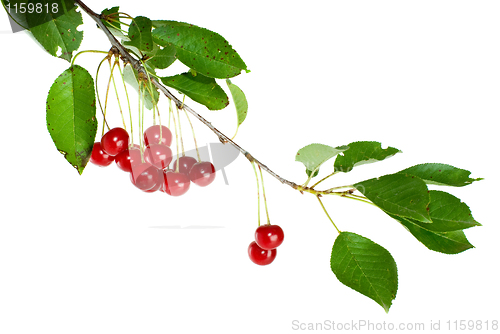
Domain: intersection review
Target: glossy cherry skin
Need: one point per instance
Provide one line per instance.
(158, 155)
(152, 135)
(202, 173)
(114, 141)
(261, 256)
(185, 164)
(146, 176)
(175, 184)
(269, 236)
(127, 158)
(99, 157)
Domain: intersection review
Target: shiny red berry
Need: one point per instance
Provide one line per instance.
(127, 158)
(146, 176)
(185, 164)
(175, 184)
(152, 135)
(114, 141)
(99, 157)
(261, 256)
(158, 155)
(269, 236)
(202, 173)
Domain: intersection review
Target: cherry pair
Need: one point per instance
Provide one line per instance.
(268, 237)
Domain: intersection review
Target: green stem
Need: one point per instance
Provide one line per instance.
(258, 194)
(115, 27)
(116, 91)
(194, 137)
(309, 179)
(359, 198)
(98, 98)
(85, 51)
(323, 179)
(180, 132)
(176, 139)
(340, 187)
(318, 197)
(128, 103)
(107, 93)
(264, 195)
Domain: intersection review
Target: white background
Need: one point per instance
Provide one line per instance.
(84, 254)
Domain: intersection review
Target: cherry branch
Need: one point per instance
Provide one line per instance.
(136, 64)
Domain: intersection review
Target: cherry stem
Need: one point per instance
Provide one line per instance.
(141, 102)
(264, 195)
(319, 199)
(142, 114)
(159, 121)
(116, 91)
(128, 103)
(180, 132)
(258, 193)
(107, 90)
(176, 138)
(86, 51)
(169, 108)
(98, 98)
(155, 105)
(194, 137)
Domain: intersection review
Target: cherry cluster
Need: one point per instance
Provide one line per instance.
(149, 170)
(262, 251)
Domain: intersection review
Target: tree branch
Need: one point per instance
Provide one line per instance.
(136, 64)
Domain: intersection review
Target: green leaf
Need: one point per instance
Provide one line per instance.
(441, 174)
(110, 18)
(452, 242)
(448, 213)
(240, 102)
(198, 48)
(163, 58)
(57, 32)
(365, 267)
(139, 34)
(400, 194)
(131, 76)
(360, 153)
(314, 155)
(71, 118)
(200, 88)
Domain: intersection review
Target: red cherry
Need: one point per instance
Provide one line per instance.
(145, 176)
(175, 184)
(269, 236)
(114, 141)
(260, 256)
(185, 164)
(202, 173)
(128, 158)
(158, 155)
(152, 135)
(99, 157)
